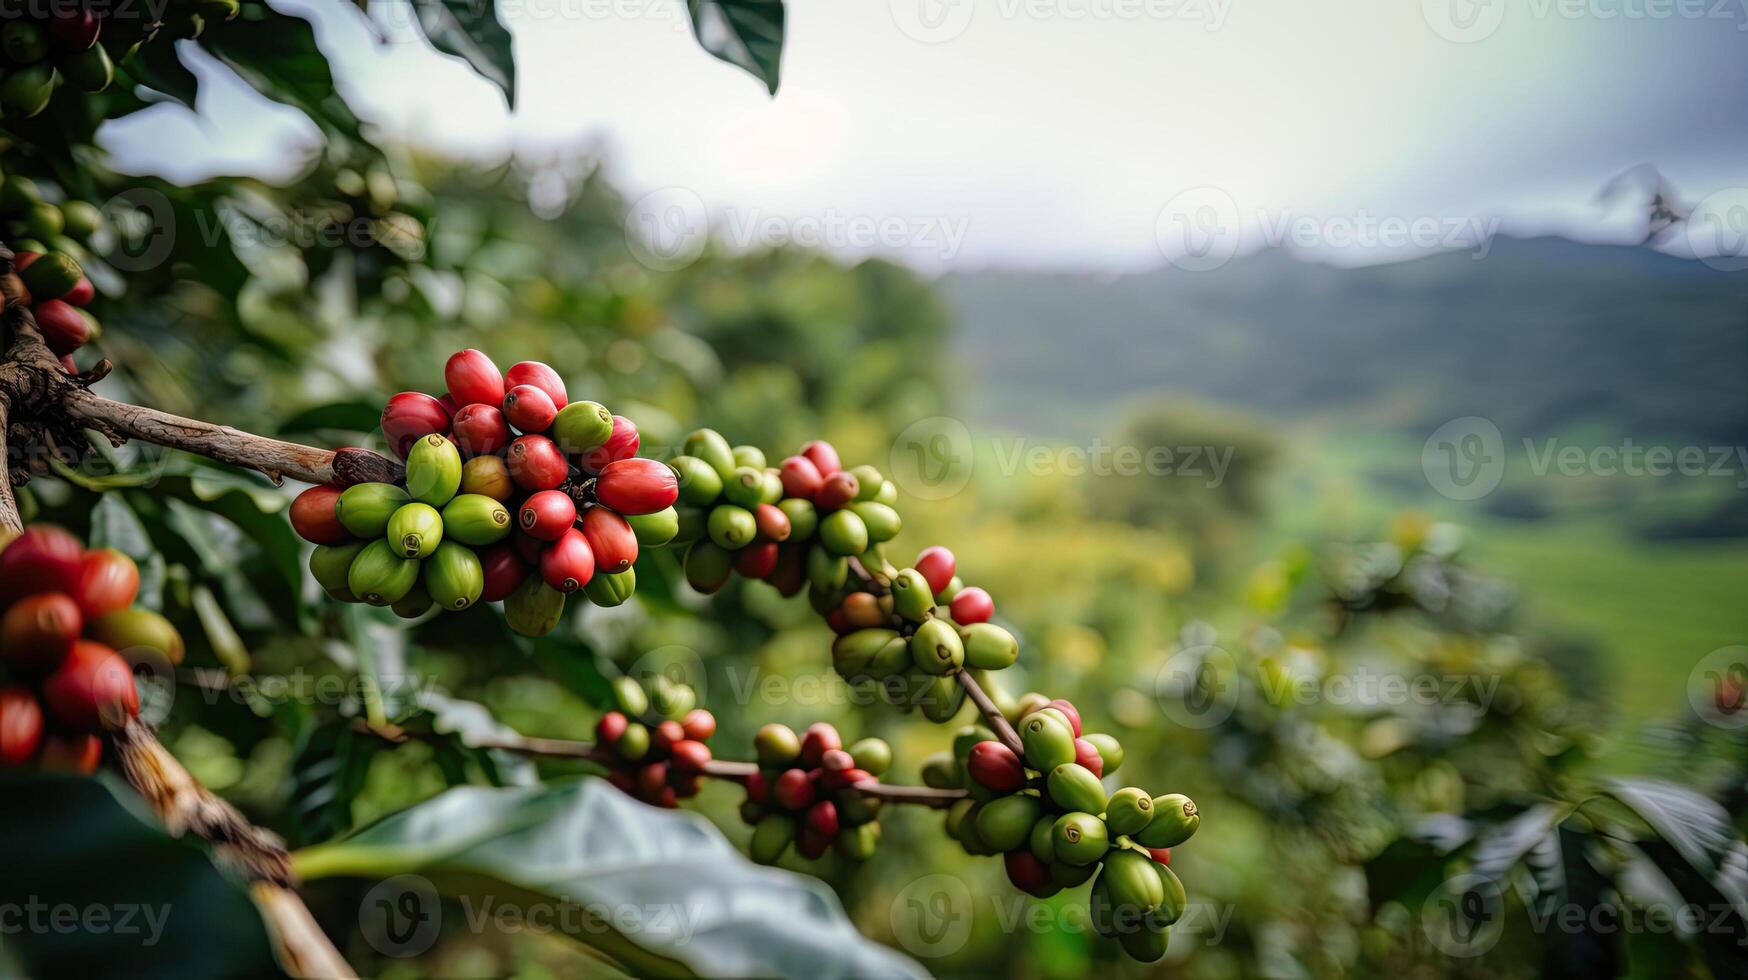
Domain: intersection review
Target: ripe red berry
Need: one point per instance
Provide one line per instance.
(78, 754)
(790, 575)
(38, 632)
(652, 779)
(793, 790)
(690, 756)
(936, 564)
(666, 735)
(1160, 854)
(622, 444)
(685, 785)
(473, 378)
(21, 725)
(818, 738)
(536, 464)
(480, 430)
(503, 570)
(44, 558)
(1027, 873)
(668, 798)
(800, 477)
(313, 516)
(73, 28)
(64, 328)
(972, 605)
(756, 560)
(68, 365)
(844, 778)
(82, 293)
(92, 690)
(567, 564)
(994, 765)
(411, 416)
(758, 787)
(612, 725)
(624, 781)
(1068, 709)
(823, 456)
(448, 402)
(699, 724)
(838, 622)
(637, 486)
(528, 548)
(836, 760)
(540, 376)
(822, 819)
(108, 581)
(611, 539)
(529, 409)
(773, 524)
(547, 515)
(838, 490)
(811, 844)
(1087, 755)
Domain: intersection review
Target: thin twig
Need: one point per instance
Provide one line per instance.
(998, 722)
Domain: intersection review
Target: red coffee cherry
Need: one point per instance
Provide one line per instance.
(611, 539)
(547, 515)
(480, 430)
(64, 328)
(73, 28)
(822, 819)
(568, 564)
(503, 570)
(666, 735)
(838, 622)
(1087, 755)
(800, 477)
(529, 409)
(811, 844)
(108, 581)
(756, 560)
(449, 404)
(773, 524)
(21, 725)
(818, 738)
(622, 444)
(637, 486)
(536, 464)
(82, 293)
(836, 760)
(837, 490)
(690, 756)
(971, 605)
(612, 725)
(411, 416)
(1160, 854)
(790, 575)
(699, 724)
(844, 778)
(540, 376)
(528, 547)
(823, 456)
(936, 564)
(473, 378)
(1027, 873)
(1068, 709)
(78, 754)
(994, 765)
(92, 690)
(793, 790)
(44, 558)
(758, 787)
(686, 786)
(652, 779)
(38, 632)
(313, 516)
(668, 798)
(625, 782)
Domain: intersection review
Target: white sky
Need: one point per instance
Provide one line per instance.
(1064, 133)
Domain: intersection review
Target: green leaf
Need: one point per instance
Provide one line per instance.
(471, 31)
(168, 912)
(330, 765)
(471, 723)
(159, 68)
(699, 906)
(745, 33)
(276, 53)
(115, 525)
(1585, 952)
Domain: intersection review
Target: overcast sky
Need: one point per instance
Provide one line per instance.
(1067, 133)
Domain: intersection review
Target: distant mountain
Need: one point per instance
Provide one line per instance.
(1545, 336)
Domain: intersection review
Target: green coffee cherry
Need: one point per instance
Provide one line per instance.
(803, 519)
(90, 70)
(776, 745)
(988, 646)
(657, 529)
(843, 533)
(857, 843)
(940, 771)
(609, 589)
(330, 563)
(969, 836)
(1072, 875)
(751, 456)
(852, 651)
(911, 597)
(745, 487)
(379, 576)
(1048, 742)
(1110, 750)
(1175, 819)
(888, 494)
(1101, 909)
(582, 426)
(699, 482)
(882, 522)
(630, 696)
(454, 577)
(825, 571)
(708, 566)
(364, 509)
(868, 481)
(535, 608)
(633, 743)
(1005, 824)
(942, 698)
(1079, 838)
(957, 814)
(872, 754)
(955, 585)
(731, 527)
(891, 660)
(1041, 841)
(935, 649)
(773, 487)
(856, 809)
(415, 529)
(1174, 900)
(671, 700)
(1074, 787)
(475, 519)
(433, 470)
(414, 604)
(1128, 810)
(690, 524)
(709, 446)
(1132, 883)
(1145, 945)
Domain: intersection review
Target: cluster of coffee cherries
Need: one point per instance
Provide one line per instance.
(512, 492)
(654, 745)
(69, 639)
(1047, 813)
(805, 793)
(54, 285)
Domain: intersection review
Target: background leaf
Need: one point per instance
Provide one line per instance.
(744, 33)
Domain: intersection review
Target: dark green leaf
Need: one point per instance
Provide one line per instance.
(276, 53)
(471, 31)
(157, 67)
(744, 33)
(1586, 952)
(330, 763)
